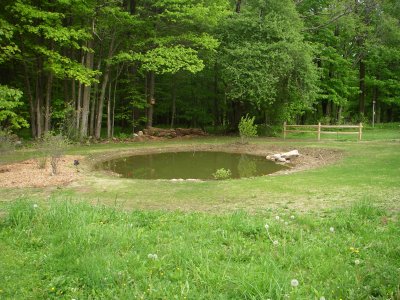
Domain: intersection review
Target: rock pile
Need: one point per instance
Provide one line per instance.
(283, 157)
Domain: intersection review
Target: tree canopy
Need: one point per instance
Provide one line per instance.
(125, 65)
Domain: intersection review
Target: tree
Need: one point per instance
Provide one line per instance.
(42, 35)
(264, 59)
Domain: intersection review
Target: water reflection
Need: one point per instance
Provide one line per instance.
(189, 165)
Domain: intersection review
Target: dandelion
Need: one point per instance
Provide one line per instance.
(266, 226)
(276, 243)
(277, 218)
(357, 262)
(354, 250)
(292, 217)
(152, 256)
(294, 282)
(332, 229)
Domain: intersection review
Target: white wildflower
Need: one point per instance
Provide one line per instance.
(322, 298)
(292, 217)
(294, 282)
(276, 243)
(266, 226)
(277, 218)
(286, 223)
(35, 205)
(152, 256)
(332, 229)
(357, 261)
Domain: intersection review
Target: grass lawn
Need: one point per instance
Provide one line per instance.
(333, 232)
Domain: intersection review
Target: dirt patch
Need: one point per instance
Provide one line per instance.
(28, 173)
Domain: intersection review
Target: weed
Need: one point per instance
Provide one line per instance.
(222, 174)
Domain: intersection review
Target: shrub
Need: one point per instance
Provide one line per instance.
(247, 128)
(222, 173)
(52, 146)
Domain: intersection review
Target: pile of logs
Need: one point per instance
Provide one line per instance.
(171, 133)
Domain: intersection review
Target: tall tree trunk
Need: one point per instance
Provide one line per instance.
(47, 116)
(362, 87)
(93, 111)
(92, 114)
(109, 112)
(113, 100)
(339, 114)
(38, 103)
(238, 6)
(132, 7)
(103, 89)
(86, 95)
(375, 97)
(150, 98)
(79, 100)
(113, 111)
(173, 113)
(215, 98)
(31, 101)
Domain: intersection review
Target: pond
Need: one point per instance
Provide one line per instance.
(189, 165)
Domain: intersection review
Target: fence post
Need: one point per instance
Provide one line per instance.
(284, 130)
(319, 131)
(360, 131)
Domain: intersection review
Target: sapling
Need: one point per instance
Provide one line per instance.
(247, 128)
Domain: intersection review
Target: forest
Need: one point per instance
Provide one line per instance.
(93, 68)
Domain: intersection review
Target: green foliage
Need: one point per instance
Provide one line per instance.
(171, 60)
(264, 59)
(9, 103)
(247, 128)
(222, 174)
(295, 61)
(7, 46)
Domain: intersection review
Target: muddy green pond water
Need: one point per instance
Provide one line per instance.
(189, 165)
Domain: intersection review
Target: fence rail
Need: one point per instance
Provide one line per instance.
(319, 129)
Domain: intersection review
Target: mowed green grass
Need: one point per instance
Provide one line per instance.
(210, 237)
(72, 250)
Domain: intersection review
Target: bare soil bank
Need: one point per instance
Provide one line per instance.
(28, 174)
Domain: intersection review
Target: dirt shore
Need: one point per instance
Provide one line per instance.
(28, 173)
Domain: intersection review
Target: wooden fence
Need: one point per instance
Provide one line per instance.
(319, 129)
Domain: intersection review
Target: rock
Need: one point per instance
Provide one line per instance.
(281, 159)
(290, 154)
(140, 133)
(135, 135)
(276, 156)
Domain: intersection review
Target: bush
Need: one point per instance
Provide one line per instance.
(247, 128)
(51, 146)
(222, 173)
